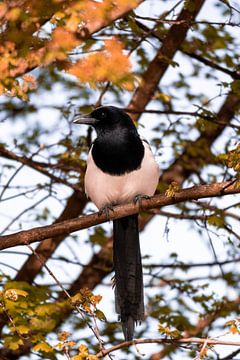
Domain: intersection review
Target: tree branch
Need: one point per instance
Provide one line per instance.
(158, 66)
(36, 166)
(233, 73)
(191, 161)
(68, 226)
(191, 340)
(84, 33)
(179, 171)
(46, 250)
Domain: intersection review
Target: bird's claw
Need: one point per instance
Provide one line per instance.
(106, 210)
(113, 280)
(138, 199)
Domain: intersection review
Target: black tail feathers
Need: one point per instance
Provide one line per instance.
(128, 273)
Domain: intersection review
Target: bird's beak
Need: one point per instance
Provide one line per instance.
(84, 119)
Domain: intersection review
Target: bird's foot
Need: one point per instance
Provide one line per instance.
(138, 199)
(113, 280)
(106, 210)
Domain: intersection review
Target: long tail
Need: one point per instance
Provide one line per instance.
(127, 261)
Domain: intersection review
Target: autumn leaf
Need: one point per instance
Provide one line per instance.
(12, 343)
(13, 294)
(62, 41)
(108, 64)
(63, 335)
(88, 11)
(172, 189)
(43, 346)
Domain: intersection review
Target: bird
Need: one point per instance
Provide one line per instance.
(121, 168)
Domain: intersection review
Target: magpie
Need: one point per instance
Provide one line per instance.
(121, 168)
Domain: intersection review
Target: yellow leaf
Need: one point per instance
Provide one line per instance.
(163, 97)
(172, 189)
(12, 343)
(233, 330)
(92, 357)
(42, 324)
(57, 16)
(76, 299)
(21, 292)
(100, 315)
(43, 346)
(22, 329)
(45, 309)
(71, 344)
(13, 14)
(73, 22)
(13, 294)
(83, 350)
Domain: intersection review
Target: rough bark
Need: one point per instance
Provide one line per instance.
(158, 66)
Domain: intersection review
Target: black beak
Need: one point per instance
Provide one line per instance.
(84, 119)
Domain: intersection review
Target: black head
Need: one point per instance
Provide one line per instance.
(106, 118)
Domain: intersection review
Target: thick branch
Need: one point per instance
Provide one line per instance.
(162, 59)
(69, 226)
(113, 15)
(84, 33)
(233, 73)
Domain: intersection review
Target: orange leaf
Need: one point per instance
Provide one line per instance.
(110, 64)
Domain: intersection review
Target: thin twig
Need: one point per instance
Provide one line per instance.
(166, 341)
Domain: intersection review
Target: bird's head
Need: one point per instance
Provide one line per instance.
(105, 118)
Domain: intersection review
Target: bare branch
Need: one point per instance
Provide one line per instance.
(190, 340)
(36, 166)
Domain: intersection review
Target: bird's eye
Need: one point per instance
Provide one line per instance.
(103, 115)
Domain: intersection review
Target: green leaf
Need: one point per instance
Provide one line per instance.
(100, 315)
(45, 309)
(12, 342)
(43, 324)
(99, 236)
(216, 220)
(236, 87)
(189, 5)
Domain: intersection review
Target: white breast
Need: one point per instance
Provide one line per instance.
(106, 189)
